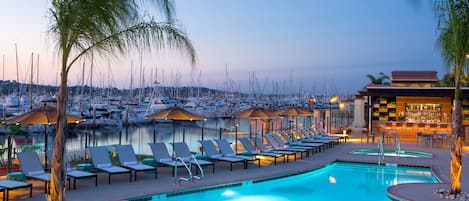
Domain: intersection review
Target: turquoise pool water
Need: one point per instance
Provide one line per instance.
(338, 181)
(412, 154)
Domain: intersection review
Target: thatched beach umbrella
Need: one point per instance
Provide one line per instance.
(256, 114)
(175, 114)
(44, 115)
(293, 112)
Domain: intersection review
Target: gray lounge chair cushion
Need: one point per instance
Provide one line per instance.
(140, 167)
(31, 165)
(78, 174)
(42, 177)
(160, 152)
(172, 163)
(226, 150)
(250, 148)
(212, 153)
(182, 151)
(128, 159)
(9, 184)
(70, 172)
(126, 154)
(228, 158)
(105, 165)
(161, 155)
(101, 160)
(114, 169)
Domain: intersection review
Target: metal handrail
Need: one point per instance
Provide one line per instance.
(192, 158)
(187, 168)
(398, 146)
(381, 150)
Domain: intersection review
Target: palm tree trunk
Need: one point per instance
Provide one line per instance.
(57, 183)
(456, 136)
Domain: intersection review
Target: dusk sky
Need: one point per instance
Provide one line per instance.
(322, 45)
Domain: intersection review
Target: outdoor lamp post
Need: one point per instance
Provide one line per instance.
(312, 103)
(236, 138)
(331, 101)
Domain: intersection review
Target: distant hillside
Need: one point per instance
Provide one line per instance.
(9, 87)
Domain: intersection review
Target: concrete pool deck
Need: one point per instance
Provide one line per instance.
(121, 188)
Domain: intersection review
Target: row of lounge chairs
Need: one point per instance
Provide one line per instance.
(291, 145)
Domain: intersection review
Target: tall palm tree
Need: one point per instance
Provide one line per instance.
(453, 40)
(104, 27)
(381, 79)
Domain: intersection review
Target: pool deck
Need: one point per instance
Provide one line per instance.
(121, 188)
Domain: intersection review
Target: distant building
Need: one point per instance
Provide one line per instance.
(414, 78)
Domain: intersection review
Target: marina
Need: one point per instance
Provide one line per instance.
(234, 100)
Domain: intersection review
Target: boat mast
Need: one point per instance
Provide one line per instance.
(82, 79)
(91, 79)
(37, 74)
(141, 83)
(3, 75)
(17, 75)
(31, 83)
(109, 78)
(131, 79)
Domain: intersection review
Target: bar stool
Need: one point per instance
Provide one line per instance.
(421, 127)
(392, 136)
(398, 128)
(388, 127)
(433, 127)
(410, 129)
(418, 135)
(443, 128)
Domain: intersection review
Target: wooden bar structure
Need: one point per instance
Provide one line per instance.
(412, 107)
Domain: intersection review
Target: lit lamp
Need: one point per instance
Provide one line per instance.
(311, 103)
(331, 101)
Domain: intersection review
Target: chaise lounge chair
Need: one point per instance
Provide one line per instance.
(102, 162)
(162, 157)
(128, 160)
(327, 141)
(278, 147)
(294, 142)
(212, 154)
(314, 149)
(251, 150)
(226, 150)
(8, 185)
(260, 144)
(74, 174)
(31, 166)
(182, 151)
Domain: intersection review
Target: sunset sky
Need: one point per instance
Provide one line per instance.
(318, 44)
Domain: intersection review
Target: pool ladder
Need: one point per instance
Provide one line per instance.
(381, 151)
(188, 167)
(398, 146)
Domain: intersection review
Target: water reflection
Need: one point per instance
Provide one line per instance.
(140, 136)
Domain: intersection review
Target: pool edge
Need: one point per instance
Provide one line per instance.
(260, 180)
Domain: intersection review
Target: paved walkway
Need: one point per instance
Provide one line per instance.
(121, 188)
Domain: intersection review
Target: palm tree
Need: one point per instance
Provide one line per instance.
(82, 28)
(381, 79)
(448, 80)
(453, 40)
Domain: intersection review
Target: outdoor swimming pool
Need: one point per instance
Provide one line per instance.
(336, 181)
(412, 154)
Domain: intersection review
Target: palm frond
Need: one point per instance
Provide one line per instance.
(453, 23)
(371, 78)
(108, 27)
